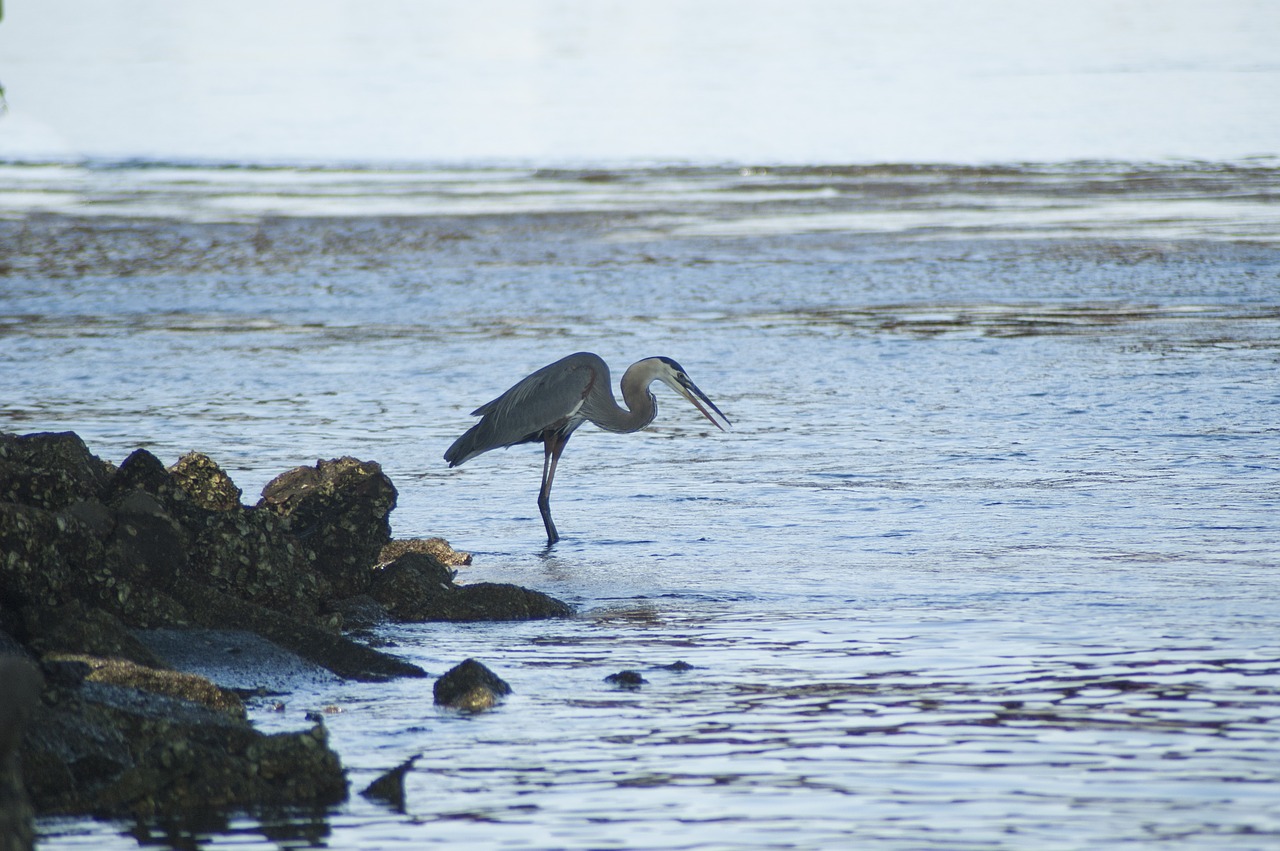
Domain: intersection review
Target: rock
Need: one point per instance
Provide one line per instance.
(412, 586)
(49, 471)
(417, 587)
(626, 679)
(360, 612)
(53, 559)
(48, 559)
(190, 687)
(237, 659)
(677, 666)
(343, 656)
(120, 752)
(69, 674)
(75, 629)
(96, 518)
(145, 546)
(436, 547)
(9, 646)
(93, 556)
(389, 788)
(186, 524)
(341, 510)
(501, 601)
(19, 699)
(251, 554)
(471, 687)
(205, 482)
(141, 471)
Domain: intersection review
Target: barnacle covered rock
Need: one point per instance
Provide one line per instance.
(341, 510)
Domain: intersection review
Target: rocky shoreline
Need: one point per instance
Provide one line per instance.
(113, 577)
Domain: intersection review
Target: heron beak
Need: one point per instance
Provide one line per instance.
(698, 399)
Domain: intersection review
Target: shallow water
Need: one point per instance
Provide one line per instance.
(988, 559)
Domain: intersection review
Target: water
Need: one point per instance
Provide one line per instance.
(988, 559)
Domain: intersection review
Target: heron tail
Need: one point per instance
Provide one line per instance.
(465, 447)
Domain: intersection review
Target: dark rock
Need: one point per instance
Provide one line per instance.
(417, 587)
(141, 471)
(341, 510)
(500, 601)
(626, 679)
(120, 752)
(412, 586)
(360, 612)
(9, 646)
(250, 554)
(471, 687)
(236, 659)
(49, 559)
(341, 655)
(73, 628)
(65, 673)
(49, 471)
(19, 699)
(389, 788)
(146, 545)
(188, 522)
(678, 667)
(93, 515)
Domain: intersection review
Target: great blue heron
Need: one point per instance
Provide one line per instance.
(548, 405)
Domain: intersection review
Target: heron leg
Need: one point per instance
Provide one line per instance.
(553, 445)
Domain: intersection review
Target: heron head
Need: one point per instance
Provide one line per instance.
(673, 375)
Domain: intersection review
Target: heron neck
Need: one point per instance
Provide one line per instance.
(640, 405)
(639, 412)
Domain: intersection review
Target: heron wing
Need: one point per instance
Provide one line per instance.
(549, 398)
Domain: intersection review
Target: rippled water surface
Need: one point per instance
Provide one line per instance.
(988, 560)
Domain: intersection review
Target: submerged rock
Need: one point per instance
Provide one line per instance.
(679, 666)
(626, 679)
(471, 687)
